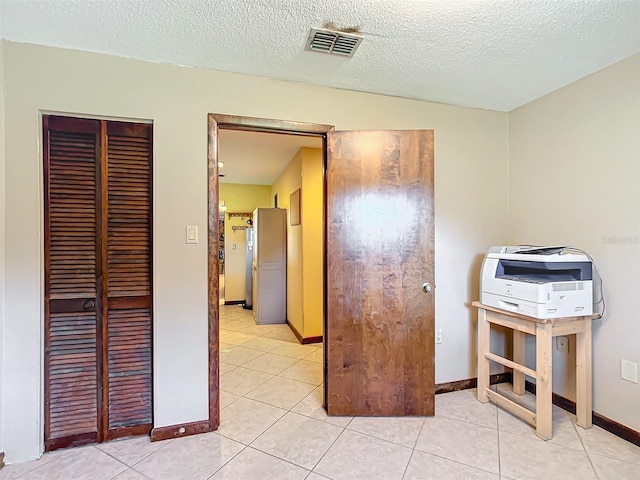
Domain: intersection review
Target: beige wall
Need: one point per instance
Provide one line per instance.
(312, 246)
(575, 180)
(471, 148)
(288, 182)
(239, 198)
(2, 177)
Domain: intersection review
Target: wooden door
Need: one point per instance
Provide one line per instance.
(127, 278)
(97, 280)
(379, 335)
(72, 281)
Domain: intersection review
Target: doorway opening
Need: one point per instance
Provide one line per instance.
(238, 221)
(378, 235)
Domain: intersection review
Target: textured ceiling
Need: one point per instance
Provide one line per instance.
(258, 158)
(495, 54)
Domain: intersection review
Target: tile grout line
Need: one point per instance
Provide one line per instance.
(602, 454)
(138, 472)
(384, 439)
(271, 425)
(290, 410)
(94, 447)
(278, 458)
(116, 459)
(413, 450)
(457, 461)
(275, 374)
(595, 472)
(420, 432)
(268, 404)
(318, 419)
(228, 461)
(169, 442)
(315, 385)
(276, 406)
(464, 421)
(60, 455)
(262, 352)
(450, 459)
(535, 437)
(316, 473)
(344, 429)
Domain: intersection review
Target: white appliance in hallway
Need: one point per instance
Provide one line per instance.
(269, 265)
(248, 302)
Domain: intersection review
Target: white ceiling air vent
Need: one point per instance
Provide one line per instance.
(331, 41)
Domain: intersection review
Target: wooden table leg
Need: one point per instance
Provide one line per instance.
(544, 369)
(484, 332)
(518, 357)
(583, 375)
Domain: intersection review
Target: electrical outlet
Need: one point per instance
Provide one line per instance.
(438, 335)
(562, 344)
(628, 370)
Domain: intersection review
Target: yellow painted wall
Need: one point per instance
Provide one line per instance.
(312, 245)
(289, 181)
(304, 241)
(239, 198)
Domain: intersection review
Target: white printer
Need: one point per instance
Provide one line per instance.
(539, 282)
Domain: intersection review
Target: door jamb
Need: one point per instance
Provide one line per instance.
(251, 124)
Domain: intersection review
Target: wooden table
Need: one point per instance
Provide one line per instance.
(544, 330)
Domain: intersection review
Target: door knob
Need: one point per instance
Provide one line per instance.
(427, 287)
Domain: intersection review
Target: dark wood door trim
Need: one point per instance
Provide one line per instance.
(251, 124)
(102, 202)
(213, 199)
(268, 125)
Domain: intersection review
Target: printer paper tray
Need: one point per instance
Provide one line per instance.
(533, 309)
(516, 305)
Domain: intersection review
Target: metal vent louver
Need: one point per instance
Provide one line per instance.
(566, 287)
(331, 41)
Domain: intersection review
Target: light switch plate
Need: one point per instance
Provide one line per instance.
(628, 370)
(192, 234)
(562, 344)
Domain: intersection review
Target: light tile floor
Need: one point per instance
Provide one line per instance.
(273, 427)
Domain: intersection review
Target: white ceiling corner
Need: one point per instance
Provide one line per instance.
(489, 54)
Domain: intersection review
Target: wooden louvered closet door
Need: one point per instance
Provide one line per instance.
(127, 304)
(97, 280)
(72, 281)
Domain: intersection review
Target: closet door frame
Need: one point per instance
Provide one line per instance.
(101, 305)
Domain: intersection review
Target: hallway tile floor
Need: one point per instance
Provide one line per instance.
(273, 427)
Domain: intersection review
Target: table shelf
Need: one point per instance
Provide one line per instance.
(543, 330)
